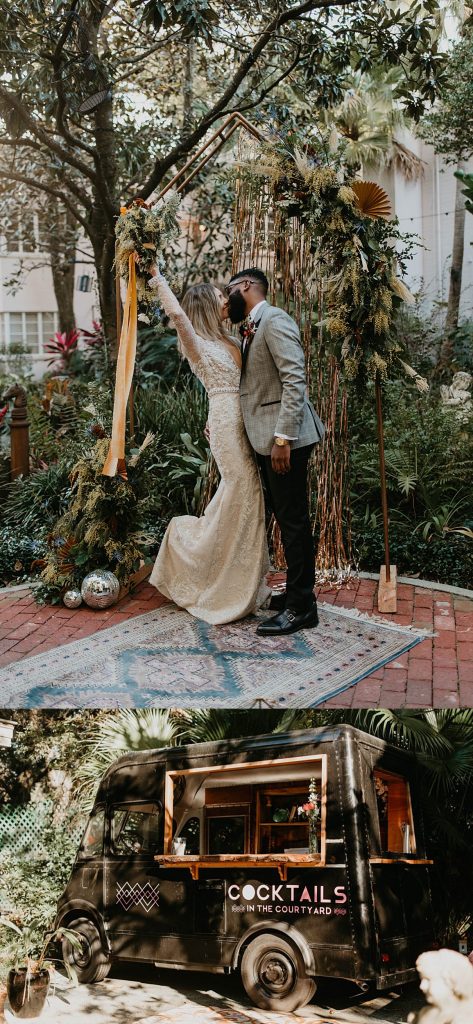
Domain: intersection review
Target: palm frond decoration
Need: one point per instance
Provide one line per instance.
(372, 200)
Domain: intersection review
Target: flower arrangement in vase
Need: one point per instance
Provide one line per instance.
(311, 812)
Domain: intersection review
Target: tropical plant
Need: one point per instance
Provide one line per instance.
(63, 348)
(129, 729)
(203, 725)
(368, 118)
(191, 466)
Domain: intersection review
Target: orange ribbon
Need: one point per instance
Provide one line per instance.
(115, 461)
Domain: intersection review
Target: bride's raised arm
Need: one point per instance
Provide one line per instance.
(188, 338)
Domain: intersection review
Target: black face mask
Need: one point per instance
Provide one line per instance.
(236, 307)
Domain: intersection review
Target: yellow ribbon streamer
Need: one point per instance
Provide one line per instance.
(115, 461)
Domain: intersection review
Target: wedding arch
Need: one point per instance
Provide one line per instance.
(331, 252)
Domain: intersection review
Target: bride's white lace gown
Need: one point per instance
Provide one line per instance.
(215, 566)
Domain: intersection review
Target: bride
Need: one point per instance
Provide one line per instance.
(215, 566)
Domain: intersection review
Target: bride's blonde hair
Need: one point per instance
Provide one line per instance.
(201, 305)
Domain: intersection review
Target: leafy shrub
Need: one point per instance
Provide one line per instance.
(33, 873)
(17, 555)
(447, 559)
(34, 503)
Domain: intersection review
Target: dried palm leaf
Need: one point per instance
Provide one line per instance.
(372, 200)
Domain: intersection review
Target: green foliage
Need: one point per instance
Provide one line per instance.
(195, 19)
(467, 179)
(358, 253)
(114, 735)
(18, 552)
(103, 526)
(34, 503)
(191, 466)
(33, 875)
(449, 126)
(43, 754)
(445, 560)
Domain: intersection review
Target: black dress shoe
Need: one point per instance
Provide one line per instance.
(289, 621)
(278, 602)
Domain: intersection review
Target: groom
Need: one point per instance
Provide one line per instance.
(283, 428)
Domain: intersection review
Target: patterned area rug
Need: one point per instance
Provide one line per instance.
(166, 658)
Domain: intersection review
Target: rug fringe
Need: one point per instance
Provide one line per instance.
(355, 613)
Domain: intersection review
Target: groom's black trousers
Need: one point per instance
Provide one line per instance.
(287, 496)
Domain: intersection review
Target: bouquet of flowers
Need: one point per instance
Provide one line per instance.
(147, 231)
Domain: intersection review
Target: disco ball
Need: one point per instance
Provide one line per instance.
(100, 589)
(72, 598)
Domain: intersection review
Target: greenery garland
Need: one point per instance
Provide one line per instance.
(359, 252)
(104, 524)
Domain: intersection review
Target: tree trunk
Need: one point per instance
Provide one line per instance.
(106, 199)
(62, 241)
(188, 88)
(104, 255)
(456, 268)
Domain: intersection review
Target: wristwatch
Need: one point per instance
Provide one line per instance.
(281, 441)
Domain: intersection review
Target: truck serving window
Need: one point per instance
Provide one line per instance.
(396, 826)
(92, 843)
(134, 829)
(266, 811)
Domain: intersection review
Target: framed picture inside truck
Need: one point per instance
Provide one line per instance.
(286, 858)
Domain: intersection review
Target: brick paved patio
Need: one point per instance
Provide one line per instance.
(436, 673)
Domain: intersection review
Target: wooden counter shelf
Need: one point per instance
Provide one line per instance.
(400, 860)
(279, 861)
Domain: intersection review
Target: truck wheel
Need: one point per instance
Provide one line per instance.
(89, 963)
(274, 976)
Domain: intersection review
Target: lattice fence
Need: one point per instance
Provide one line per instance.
(22, 828)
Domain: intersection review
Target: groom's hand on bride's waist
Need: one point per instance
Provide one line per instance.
(281, 457)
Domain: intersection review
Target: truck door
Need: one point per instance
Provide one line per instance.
(131, 886)
(400, 878)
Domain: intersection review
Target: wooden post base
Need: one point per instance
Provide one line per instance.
(139, 576)
(387, 590)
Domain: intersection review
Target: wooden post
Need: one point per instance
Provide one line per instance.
(387, 598)
(19, 432)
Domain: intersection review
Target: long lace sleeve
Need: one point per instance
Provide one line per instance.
(189, 339)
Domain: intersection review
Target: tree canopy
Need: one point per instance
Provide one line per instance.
(103, 100)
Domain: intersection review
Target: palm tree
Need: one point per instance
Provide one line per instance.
(132, 729)
(118, 733)
(368, 118)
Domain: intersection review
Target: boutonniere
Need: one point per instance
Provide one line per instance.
(247, 332)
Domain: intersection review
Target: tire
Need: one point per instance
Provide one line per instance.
(90, 963)
(274, 976)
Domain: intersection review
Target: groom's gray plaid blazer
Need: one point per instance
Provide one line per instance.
(273, 386)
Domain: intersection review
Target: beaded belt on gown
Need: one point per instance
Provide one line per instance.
(223, 391)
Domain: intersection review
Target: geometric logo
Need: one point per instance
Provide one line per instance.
(146, 896)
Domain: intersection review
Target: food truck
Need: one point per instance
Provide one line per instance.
(284, 857)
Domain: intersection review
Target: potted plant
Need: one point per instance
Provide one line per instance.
(27, 983)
